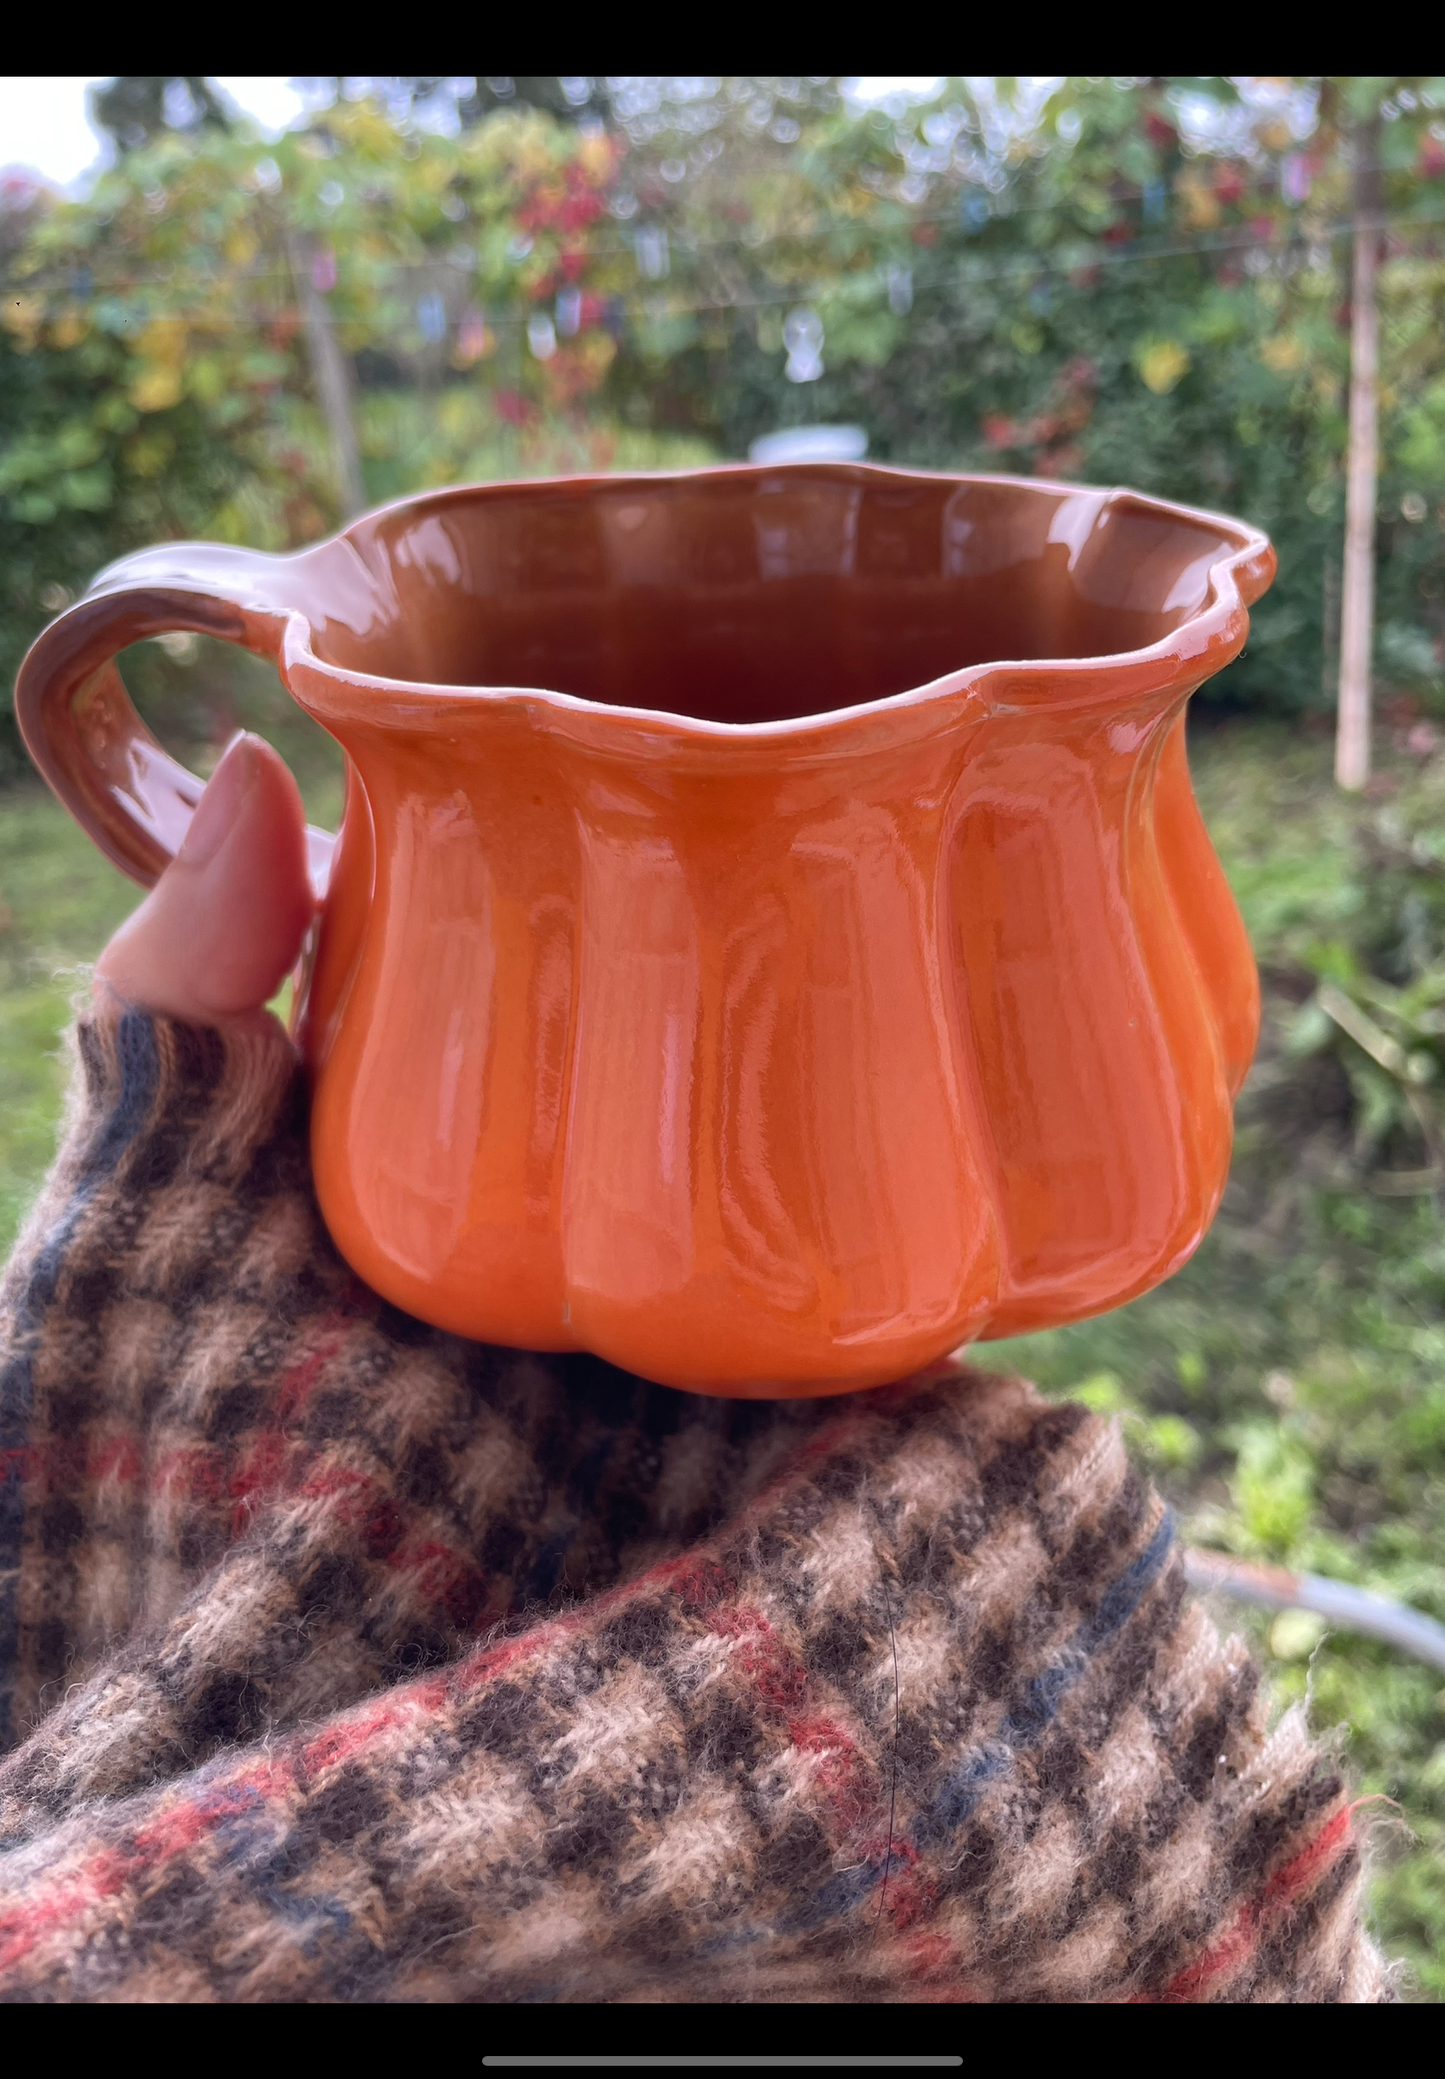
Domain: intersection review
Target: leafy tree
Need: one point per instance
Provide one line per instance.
(136, 111)
(1138, 281)
(447, 99)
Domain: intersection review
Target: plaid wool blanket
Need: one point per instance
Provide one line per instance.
(344, 1660)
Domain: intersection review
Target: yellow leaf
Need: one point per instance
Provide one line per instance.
(22, 317)
(164, 342)
(69, 329)
(1201, 208)
(1282, 354)
(156, 389)
(598, 351)
(241, 248)
(1163, 364)
(595, 156)
(531, 158)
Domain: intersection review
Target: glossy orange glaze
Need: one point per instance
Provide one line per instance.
(772, 939)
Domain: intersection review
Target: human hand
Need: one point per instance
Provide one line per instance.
(223, 926)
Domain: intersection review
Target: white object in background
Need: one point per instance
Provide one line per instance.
(803, 338)
(811, 444)
(541, 335)
(653, 260)
(569, 311)
(431, 318)
(45, 127)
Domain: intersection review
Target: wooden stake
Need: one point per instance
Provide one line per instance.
(1357, 606)
(332, 377)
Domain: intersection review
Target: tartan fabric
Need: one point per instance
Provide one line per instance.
(342, 1659)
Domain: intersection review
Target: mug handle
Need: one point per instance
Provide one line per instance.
(78, 722)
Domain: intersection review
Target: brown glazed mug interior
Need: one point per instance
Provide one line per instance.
(749, 597)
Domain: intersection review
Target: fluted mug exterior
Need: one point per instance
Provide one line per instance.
(772, 939)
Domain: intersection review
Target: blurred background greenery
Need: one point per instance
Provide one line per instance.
(1116, 280)
(1142, 281)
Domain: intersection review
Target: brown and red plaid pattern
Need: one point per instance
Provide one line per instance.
(343, 1659)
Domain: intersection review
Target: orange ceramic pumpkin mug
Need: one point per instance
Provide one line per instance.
(771, 939)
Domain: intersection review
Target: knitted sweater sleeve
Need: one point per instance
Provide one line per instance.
(347, 1660)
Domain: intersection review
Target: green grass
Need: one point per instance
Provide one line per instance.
(59, 902)
(1287, 1388)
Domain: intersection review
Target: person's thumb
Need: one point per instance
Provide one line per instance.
(223, 926)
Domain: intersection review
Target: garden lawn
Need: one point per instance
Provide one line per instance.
(1287, 1388)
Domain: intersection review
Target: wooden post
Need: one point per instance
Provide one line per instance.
(1357, 605)
(332, 377)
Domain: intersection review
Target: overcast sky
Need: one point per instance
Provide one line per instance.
(44, 126)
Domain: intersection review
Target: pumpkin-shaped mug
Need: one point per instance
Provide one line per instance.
(771, 939)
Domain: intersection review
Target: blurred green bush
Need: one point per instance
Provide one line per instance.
(1139, 281)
